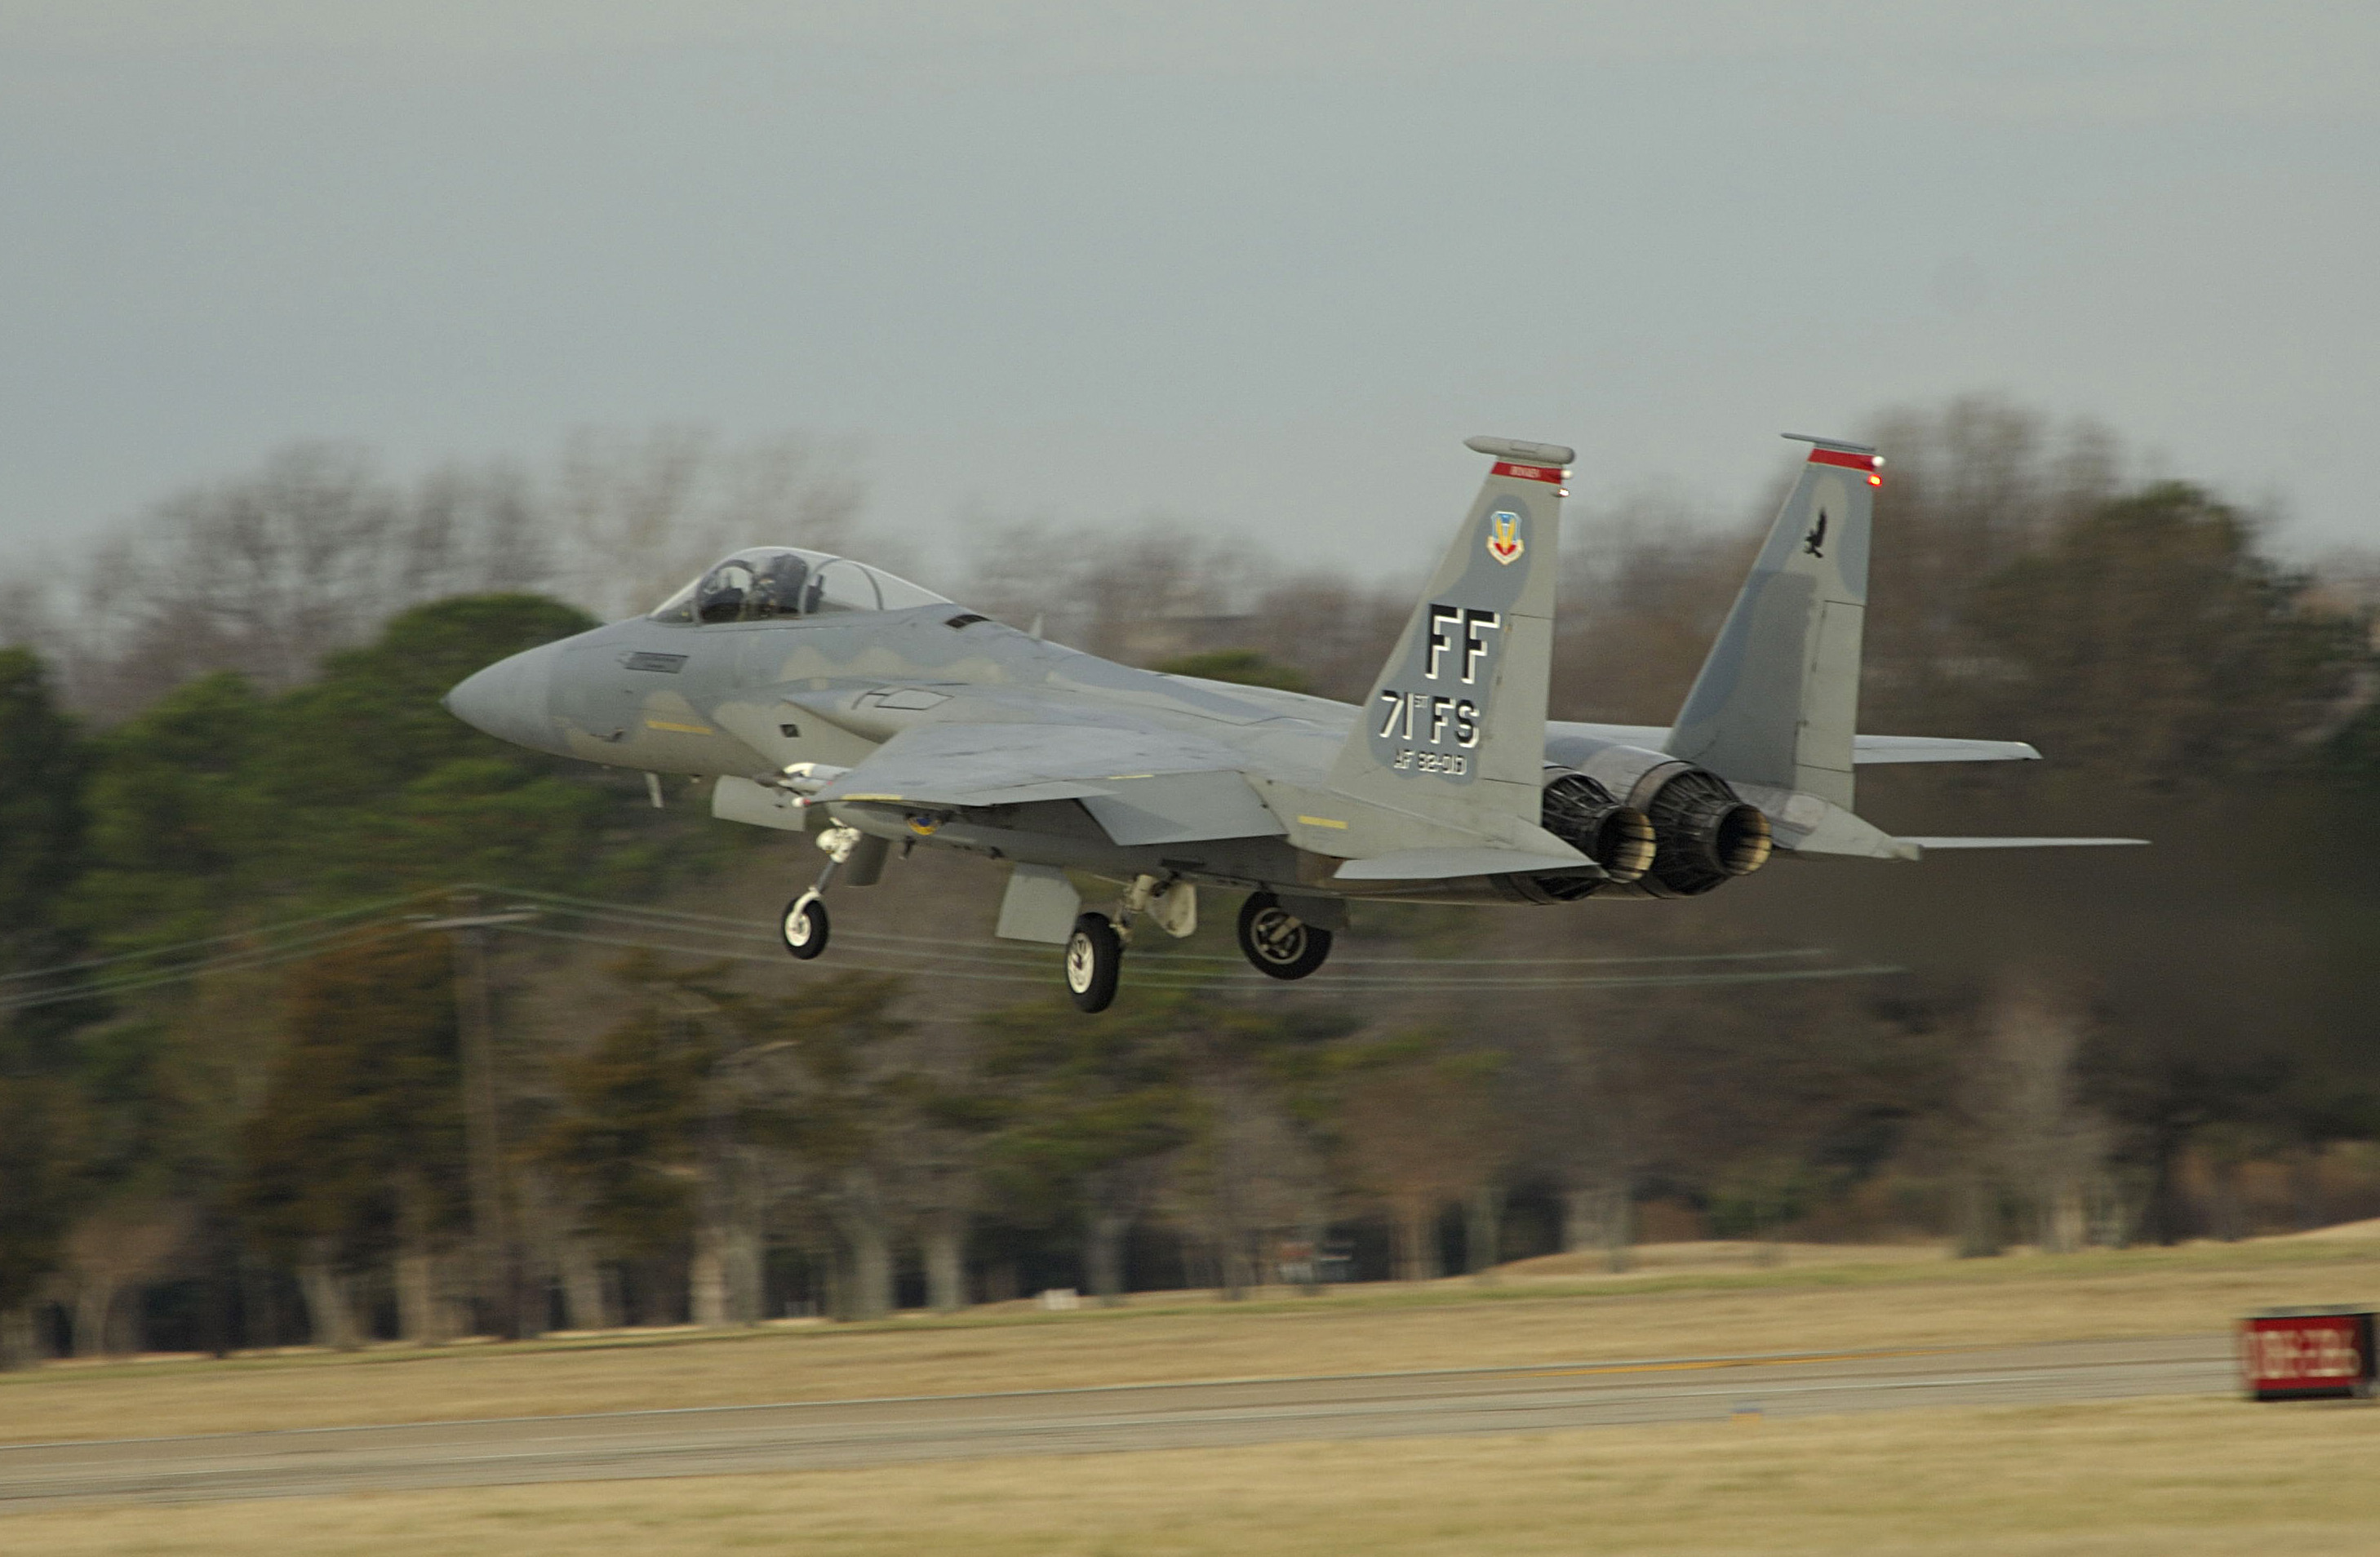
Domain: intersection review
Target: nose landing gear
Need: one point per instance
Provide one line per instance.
(1278, 943)
(805, 926)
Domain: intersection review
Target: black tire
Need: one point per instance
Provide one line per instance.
(805, 926)
(1276, 942)
(1094, 957)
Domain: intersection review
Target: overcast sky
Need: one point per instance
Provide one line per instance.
(1261, 265)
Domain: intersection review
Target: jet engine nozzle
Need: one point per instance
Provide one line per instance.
(1706, 836)
(1583, 813)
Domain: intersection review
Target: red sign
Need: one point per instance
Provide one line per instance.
(2294, 1357)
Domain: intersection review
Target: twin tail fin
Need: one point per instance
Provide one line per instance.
(1454, 730)
(1776, 702)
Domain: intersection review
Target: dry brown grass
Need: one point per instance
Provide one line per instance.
(1817, 1301)
(2187, 1478)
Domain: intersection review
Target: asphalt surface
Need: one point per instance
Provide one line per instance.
(700, 1441)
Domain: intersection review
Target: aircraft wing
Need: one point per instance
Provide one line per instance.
(1143, 786)
(1865, 749)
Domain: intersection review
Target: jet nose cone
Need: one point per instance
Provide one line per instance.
(508, 700)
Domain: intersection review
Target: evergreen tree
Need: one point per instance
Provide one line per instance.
(355, 1152)
(42, 765)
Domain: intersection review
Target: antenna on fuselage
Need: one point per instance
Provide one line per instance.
(1034, 631)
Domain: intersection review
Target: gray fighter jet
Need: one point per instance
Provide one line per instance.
(827, 698)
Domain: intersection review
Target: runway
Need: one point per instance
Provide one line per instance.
(700, 1440)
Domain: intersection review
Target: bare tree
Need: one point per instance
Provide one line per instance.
(1601, 1153)
(2049, 1149)
(1248, 1179)
(125, 1242)
(637, 514)
(1415, 1140)
(330, 1294)
(264, 574)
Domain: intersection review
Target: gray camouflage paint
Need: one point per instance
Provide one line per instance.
(1268, 789)
(1776, 702)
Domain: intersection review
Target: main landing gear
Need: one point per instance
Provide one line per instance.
(1095, 950)
(1278, 943)
(1094, 962)
(1274, 940)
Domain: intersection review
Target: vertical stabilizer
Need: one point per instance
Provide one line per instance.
(1455, 728)
(1777, 700)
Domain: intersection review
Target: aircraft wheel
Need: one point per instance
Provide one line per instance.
(806, 926)
(1094, 957)
(1278, 943)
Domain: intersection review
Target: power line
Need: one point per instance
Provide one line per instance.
(913, 956)
(217, 940)
(742, 929)
(1185, 979)
(312, 947)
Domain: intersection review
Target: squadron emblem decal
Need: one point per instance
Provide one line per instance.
(1504, 541)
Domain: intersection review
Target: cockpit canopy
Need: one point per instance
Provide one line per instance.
(770, 583)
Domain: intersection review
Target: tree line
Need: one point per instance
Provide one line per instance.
(238, 1066)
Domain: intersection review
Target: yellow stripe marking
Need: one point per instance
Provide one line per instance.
(681, 728)
(1323, 822)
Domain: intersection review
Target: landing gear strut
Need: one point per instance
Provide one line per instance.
(1278, 943)
(805, 924)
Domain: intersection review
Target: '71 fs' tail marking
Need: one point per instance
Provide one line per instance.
(1457, 642)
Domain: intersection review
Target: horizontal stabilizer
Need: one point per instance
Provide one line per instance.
(1865, 749)
(1440, 865)
(1928, 845)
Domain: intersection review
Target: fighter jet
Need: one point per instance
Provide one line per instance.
(827, 698)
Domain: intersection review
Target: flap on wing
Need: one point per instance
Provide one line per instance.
(1437, 864)
(1181, 808)
(965, 765)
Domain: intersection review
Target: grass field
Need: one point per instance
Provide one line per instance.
(1694, 1300)
(2176, 1478)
